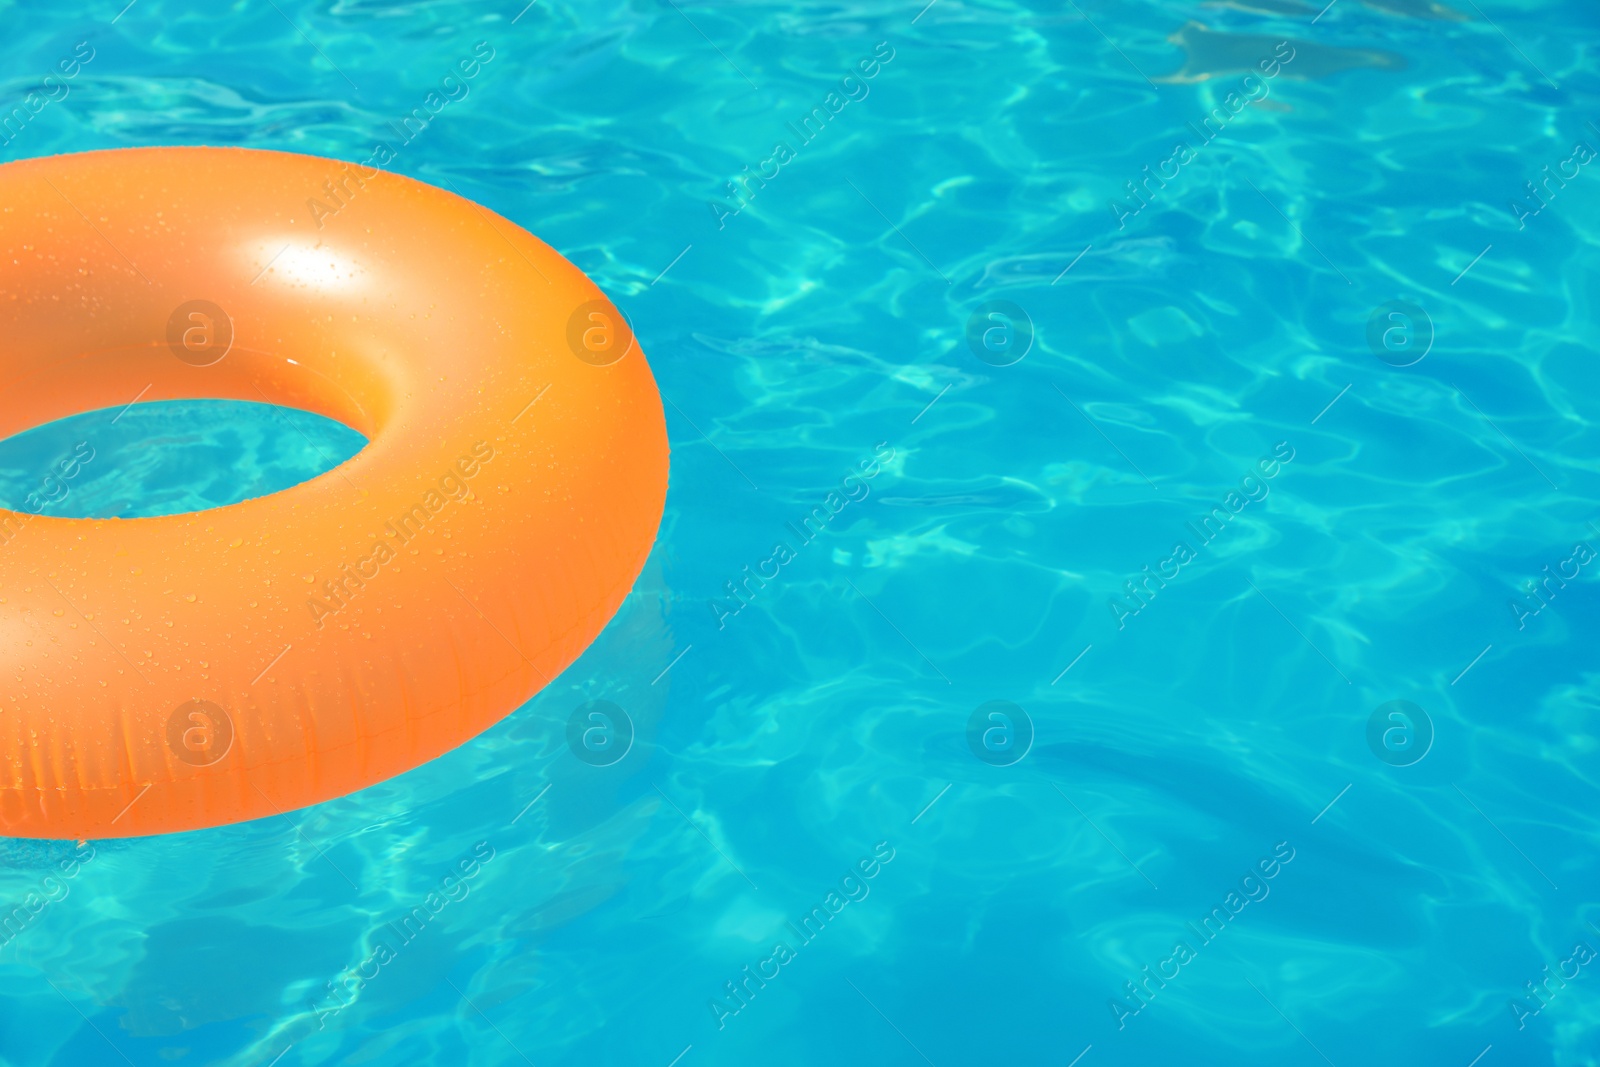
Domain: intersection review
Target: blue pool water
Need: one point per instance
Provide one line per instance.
(1351, 881)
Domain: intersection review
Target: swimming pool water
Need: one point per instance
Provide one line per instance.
(1103, 514)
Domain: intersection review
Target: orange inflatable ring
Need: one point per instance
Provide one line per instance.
(185, 671)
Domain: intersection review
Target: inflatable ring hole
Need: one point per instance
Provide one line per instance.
(167, 457)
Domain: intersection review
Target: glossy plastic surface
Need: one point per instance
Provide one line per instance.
(164, 674)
